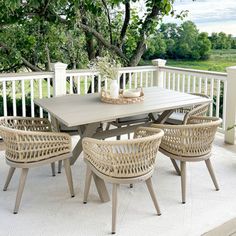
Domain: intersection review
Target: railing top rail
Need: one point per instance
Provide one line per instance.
(25, 75)
(121, 70)
(193, 71)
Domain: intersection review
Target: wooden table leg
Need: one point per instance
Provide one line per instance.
(89, 131)
(163, 117)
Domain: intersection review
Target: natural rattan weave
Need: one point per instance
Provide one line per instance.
(185, 113)
(30, 142)
(123, 162)
(189, 143)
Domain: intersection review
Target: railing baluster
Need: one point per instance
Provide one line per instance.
(48, 88)
(141, 79)
(135, 80)
(200, 85)
(218, 99)
(205, 89)
(178, 82)
(183, 83)
(40, 96)
(146, 79)
(92, 84)
(173, 82)
(99, 83)
(23, 98)
(32, 97)
(165, 79)
(71, 85)
(169, 75)
(189, 83)
(124, 80)
(211, 96)
(194, 83)
(14, 97)
(4, 94)
(151, 74)
(130, 81)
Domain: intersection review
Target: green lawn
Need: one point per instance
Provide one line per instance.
(218, 61)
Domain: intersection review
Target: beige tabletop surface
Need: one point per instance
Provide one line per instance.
(75, 110)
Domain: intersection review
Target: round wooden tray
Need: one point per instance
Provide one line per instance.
(105, 97)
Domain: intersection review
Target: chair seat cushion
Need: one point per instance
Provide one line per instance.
(176, 118)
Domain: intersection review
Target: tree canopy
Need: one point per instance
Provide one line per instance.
(178, 42)
(34, 33)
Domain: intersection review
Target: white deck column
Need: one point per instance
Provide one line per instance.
(158, 75)
(230, 105)
(59, 80)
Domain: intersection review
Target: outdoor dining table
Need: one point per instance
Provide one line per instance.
(87, 112)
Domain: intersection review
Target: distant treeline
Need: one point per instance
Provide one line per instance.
(185, 42)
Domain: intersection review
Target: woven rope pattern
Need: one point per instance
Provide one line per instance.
(24, 145)
(191, 140)
(197, 110)
(124, 159)
(26, 123)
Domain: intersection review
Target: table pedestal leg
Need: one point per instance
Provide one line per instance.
(89, 131)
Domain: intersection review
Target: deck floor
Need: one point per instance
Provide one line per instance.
(47, 208)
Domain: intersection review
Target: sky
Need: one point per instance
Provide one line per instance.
(209, 15)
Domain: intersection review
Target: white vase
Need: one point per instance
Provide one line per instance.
(114, 89)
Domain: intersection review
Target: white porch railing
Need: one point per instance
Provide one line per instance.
(25, 87)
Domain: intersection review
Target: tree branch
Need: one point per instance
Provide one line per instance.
(109, 20)
(46, 6)
(104, 41)
(125, 23)
(141, 45)
(25, 62)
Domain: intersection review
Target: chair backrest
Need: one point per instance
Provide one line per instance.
(190, 140)
(26, 143)
(26, 123)
(124, 158)
(197, 110)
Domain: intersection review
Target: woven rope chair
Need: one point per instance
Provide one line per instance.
(26, 149)
(190, 143)
(181, 116)
(123, 162)
(27, 124)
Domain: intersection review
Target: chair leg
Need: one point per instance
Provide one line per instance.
(118, 137)
(23, 176)
(183, 180)
(114, 207)
(175, 166)
(9, 176)
(69, 176)
(212, 174)
(153, 196)
(59, 166)
(53, 167)
(88, 180)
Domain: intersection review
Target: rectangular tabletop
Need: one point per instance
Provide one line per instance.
(75, 110)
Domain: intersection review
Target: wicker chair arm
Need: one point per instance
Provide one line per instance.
(26, 123)
(124, 158)
(30, 146)
(200, 110)
(193, 139)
